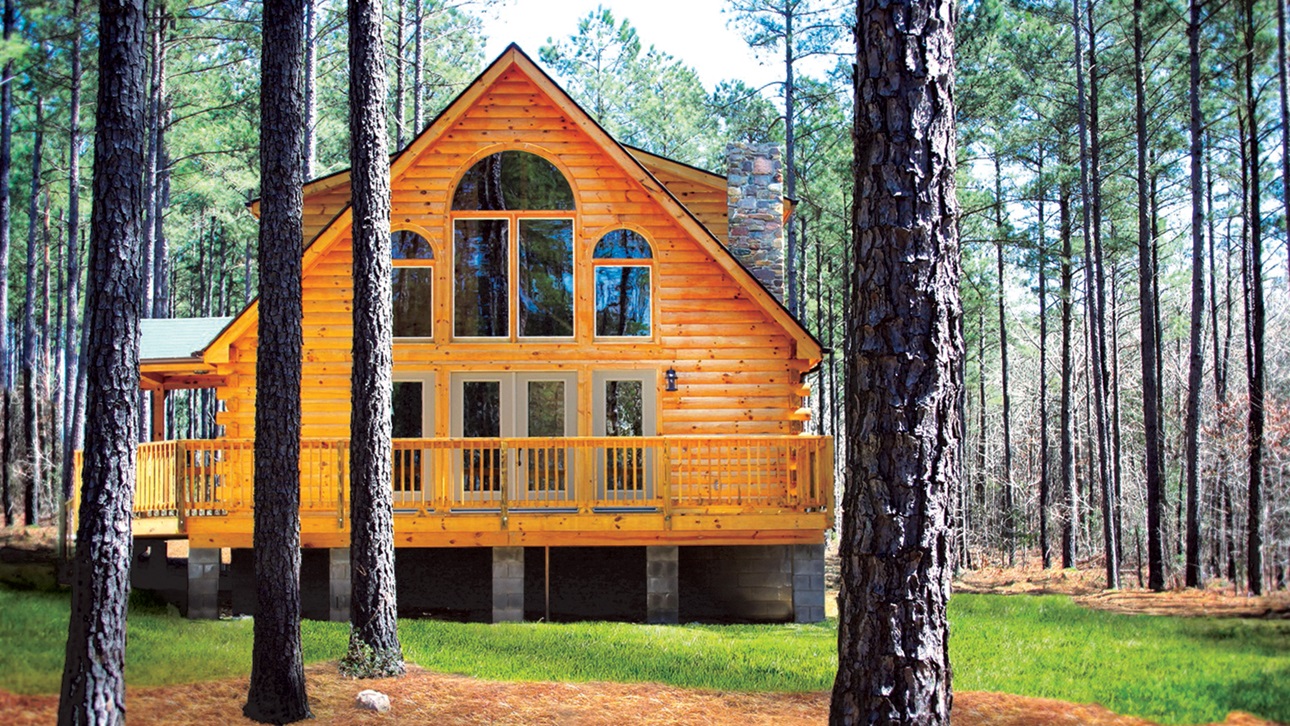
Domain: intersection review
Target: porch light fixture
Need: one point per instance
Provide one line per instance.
(671, 379)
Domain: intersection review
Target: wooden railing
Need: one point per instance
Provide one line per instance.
(195, 478)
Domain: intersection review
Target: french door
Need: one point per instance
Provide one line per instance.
(491, 406)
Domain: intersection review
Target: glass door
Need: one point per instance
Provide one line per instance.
(624, 405)
(413, 414)
(547, 407)
(480, 410)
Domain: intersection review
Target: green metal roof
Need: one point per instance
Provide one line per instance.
(169, 338)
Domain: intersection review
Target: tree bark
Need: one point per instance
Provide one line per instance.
(1195, 359)
(93, 688)
(373, 607)
(277, 688)
(30, 423)
(904, 362)
(1254, 513)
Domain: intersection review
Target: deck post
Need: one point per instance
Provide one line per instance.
(203, 583)
(159, 415)
(508, 584)
(808, 583)
(339, 584)
(662, 597)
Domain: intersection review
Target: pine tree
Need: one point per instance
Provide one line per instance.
(904, 365)
(93, 689)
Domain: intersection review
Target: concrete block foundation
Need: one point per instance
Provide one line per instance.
(662, 594)
(508, 584)
(203, 584)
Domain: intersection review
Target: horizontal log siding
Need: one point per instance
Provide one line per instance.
(736, 368)
(708, 204)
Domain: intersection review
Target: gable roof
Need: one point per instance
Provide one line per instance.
(806, 345)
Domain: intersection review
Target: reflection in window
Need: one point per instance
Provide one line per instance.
(622, 301)
(413, 297)
(513, 181)
(408, 245)
(481, 417)
(412, 284)
(546, 408)
(481, 302)
(407, 405)
(625, 416)
(622, 244)
(546, 277)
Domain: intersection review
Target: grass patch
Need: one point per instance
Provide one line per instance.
(1173, 670)
(727, 657)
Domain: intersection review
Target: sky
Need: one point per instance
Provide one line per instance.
(694, 31)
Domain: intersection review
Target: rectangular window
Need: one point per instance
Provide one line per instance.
(412, 289)
(546, 278)
(481, 279)
(622, 301)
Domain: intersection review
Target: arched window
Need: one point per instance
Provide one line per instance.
(623, 269)
(513, 195)
(413, 284)
(513, 181)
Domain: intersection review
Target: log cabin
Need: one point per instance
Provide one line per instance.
(599, 397)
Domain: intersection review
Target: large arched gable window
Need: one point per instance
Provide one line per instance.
(505, 290)
(623, 270)
(413, 284)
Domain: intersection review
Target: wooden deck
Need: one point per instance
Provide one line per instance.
(584, 491)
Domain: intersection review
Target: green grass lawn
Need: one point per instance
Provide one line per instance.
(1173, 670)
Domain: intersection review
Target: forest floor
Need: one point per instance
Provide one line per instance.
(426, 697)
(429, 697)
(1087, 587)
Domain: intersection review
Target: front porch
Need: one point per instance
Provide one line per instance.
(511, 492)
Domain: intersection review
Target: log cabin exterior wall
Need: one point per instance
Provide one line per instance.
(738, 369)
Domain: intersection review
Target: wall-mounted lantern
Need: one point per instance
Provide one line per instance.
(671, 379)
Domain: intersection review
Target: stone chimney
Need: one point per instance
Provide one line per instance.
(755, 201)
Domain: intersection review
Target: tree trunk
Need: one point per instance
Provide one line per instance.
(399, 27)
(1195, 359)
(71, 341)
(311, 95)
(1285, 122)
(277, 689)
(790, 149)
(374, 629)
(1009, 506)
(30, 422)
(1045, 551)
(1254, 548)
(157, 73)
(1094, 301)
(6, 214)
(93, 688)
(904, 362)
(1148, 328)
(1070, 522)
